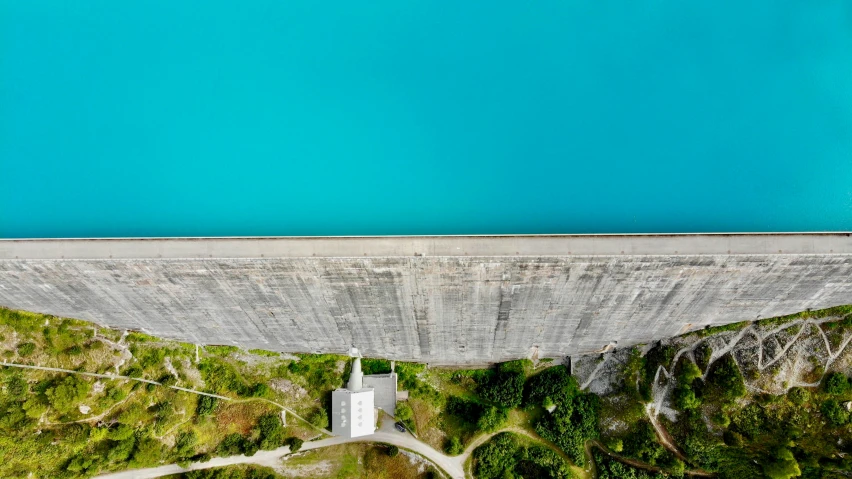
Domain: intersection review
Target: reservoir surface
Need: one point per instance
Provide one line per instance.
(214, 118)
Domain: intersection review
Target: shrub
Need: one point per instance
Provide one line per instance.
(393, 451)
(783, 465)
(689, 372)
(685, 398)
(615, 445)
(270, 431)
(574, 420)
(726, 380)
(465, 410)
(492, 419)
(260, 390)
(454, 446)
(375, 366)
(494, 458)
(206, 405)
(551, 383)
(319, 418)
(834, 412)
(835, 384)
(231, 445)
(295, 443)
(798, 396)
(505, 387)
(26, 349)
(75, 350)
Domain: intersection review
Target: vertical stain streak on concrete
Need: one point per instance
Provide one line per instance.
(420, 310)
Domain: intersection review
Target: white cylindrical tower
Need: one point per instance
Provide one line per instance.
(356, 378)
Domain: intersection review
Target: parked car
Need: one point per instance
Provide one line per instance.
(399, 426)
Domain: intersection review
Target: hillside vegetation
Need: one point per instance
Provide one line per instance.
(767, 399)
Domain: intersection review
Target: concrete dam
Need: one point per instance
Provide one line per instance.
(442, 300)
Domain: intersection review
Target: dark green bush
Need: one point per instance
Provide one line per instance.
(492, 418)
(554, 382)
(505, 387)
(454, 446)
(725, 379)
(642, 443)
(611, 469)
(465, 410)
(375, 366)
(231, 445)
(497, 457)
(295, 444)
(834, 412)
(574, 421)
(206, 405)
(270, 431)
(835, 384)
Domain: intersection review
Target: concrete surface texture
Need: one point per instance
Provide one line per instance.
(442, 300)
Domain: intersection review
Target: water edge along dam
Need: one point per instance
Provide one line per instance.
(445, 300)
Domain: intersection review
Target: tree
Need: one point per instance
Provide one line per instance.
(34, 407)
(148, 451)
(68, 393)
(393, 451)
(574, 420)
(271, 432)
(120, 432)
(319, 418)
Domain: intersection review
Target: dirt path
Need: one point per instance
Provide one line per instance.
(272, 458)
(111, 376)
(632, 462)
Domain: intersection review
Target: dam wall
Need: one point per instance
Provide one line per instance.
(442, 300)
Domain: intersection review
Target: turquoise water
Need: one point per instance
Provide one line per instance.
(164, 118)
